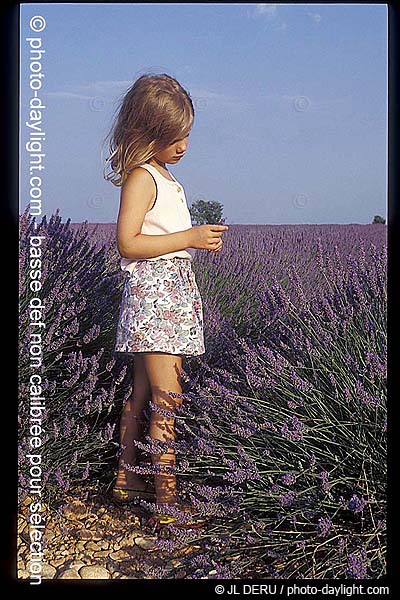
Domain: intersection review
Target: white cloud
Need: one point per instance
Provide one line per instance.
(316, 17)
(266, 9)
(218, 100)
(268, 12)
(86, 91)
(105, 85)
(112, 90)
(106, 89)
(67, 95)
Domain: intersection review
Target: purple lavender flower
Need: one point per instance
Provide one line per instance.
(381, 524)
(324, 525)
(356, 504)
(287, 499)
(364, 396)
(288, 478)
(357, 564)
(85, 473)
(341, 544)
(294, 431)
(325, 482)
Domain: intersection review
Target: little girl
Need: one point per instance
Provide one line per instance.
(161, 313)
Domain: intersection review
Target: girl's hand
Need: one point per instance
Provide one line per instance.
(207, 237)
(217, 248)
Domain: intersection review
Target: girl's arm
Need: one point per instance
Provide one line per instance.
(137, 196)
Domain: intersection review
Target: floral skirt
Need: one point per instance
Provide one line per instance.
(161, 309)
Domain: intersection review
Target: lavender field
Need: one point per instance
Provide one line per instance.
(282, 432)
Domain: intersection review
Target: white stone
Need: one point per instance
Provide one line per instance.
(94, 572)
(23, 574)
(76, 564)
(48, 571)
(69, 574)
(146, 543)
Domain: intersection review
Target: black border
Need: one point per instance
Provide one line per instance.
(10, 171)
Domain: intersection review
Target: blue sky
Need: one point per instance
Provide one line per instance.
(290, 101)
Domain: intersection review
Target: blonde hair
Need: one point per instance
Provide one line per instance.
(155, 112)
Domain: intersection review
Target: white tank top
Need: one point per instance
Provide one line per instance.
(168, 214)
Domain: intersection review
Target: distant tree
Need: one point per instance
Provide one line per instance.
(205, 212)
(378, 219)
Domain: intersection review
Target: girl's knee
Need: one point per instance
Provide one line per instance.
(164, 400)
(160, 425)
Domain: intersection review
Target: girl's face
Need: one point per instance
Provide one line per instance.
(174, 152)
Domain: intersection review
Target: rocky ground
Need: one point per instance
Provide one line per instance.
(94, 539)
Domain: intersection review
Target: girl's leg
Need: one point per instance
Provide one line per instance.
(164, 373)
(132, 426)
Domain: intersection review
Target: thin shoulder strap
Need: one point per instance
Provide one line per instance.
(173, 176)
(158, 173)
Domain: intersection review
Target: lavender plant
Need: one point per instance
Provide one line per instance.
(285, 444)
(232, 282)
(282, 436)
(82, 383)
